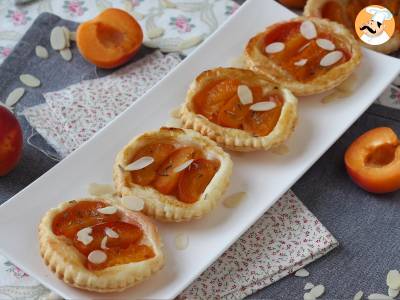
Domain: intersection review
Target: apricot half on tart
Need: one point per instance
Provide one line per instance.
(373, 160)
(306, 55)
(110, 39)
(179, 174)
(97, 246)
(239, 109)
(345, 12)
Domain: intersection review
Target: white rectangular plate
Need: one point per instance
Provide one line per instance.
(264, 176)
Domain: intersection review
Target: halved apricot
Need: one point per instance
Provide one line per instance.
(232, 113)
(373, 160)
(110, 39)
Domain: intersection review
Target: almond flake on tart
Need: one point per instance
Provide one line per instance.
(306, 55)
(345, 12)
(187, 177)
(239, 109)
(95, 248)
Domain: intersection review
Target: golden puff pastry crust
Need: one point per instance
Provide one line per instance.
(313, 8)
(67, 262)
(260, 63)
(237, 139)
(168, 207)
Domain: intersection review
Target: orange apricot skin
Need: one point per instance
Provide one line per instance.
(374, 179)
(293, 3)
(88, 44)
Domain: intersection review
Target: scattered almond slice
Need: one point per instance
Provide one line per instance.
(274, 47)
(67, 36)
(318, 291)
(183, 166)
(301, 62)
(358, 295)
(111, 233)
(308, 286)
(66, 54)
(29, 80)
(57, 38)
(155, 32)
(393, 279)
(14, 96)
(301, 273)
(263, 106)
(280, 150)
(108, 210)
(139, 164)
(103, 244)
(379, 297)
(245, 95)
(308, 30)
(233, 200)
(181, 241)
(97, 189)
(97, 257)
(84, 235)
(308, 296)
(326, 44)
(132, 203)
(41, 52)
(304, 47)
(331, 58)
(393, 293)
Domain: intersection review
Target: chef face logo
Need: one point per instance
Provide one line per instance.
(375, 25)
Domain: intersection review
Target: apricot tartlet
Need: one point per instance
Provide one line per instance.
(98, 246)
(239, 109)
(345, 12)
(179, 174)
(306, 55)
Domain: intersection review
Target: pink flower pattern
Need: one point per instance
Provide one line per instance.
(75, 7)
(5, 51)
(18, 17)
(182, 24)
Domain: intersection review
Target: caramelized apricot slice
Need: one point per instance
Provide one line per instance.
(159, 152)
(126, 234)
(195, 179)
(261, 123)
(81, 215)
(167, 179)
(232, 113)
(110, 39)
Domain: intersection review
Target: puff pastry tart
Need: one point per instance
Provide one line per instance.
(179, 174)
(94, 245)
(239, 109)
(346, 11)
(306, 55)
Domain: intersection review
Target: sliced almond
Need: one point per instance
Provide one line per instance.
(393, 279)
(29, 80)
(304, 47)
(67, 36)
(57, 38)
(331, 58)
(66, 54)
(301, 273)
(318, 291)
(393, 293)
(132, 203)
(245, 94)
(308, 30)
(274, 47)
(103, 244)
(301, 62)
(41, 52)
(233, 200)
(358, 295)
(326, 44)
(379, 297)
(183, 166)
(84, 235)
(181, 241)
(97, 189)
(108, 210)
(111, 233)
(14, 96)
(97, 257)
(308, 286)
(263, 106)
(308, 296)
(139, 164)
